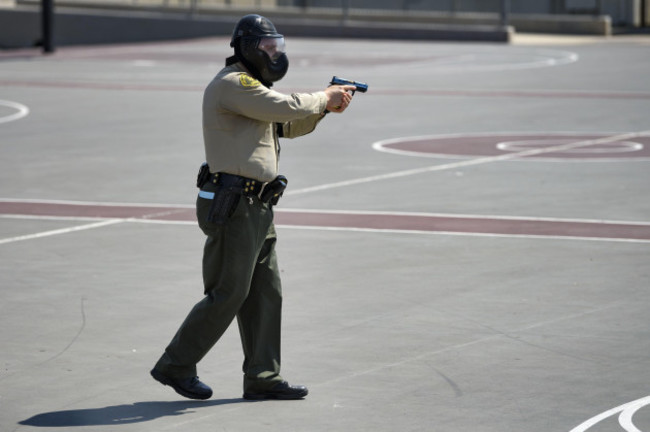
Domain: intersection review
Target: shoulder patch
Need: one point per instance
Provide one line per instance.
(248, 81)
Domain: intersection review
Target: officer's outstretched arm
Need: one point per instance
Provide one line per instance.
(299, 127)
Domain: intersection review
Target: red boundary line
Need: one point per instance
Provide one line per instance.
(351, 220)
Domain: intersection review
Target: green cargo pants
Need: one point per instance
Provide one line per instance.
(241, 279)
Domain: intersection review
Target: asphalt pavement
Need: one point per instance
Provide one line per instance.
(466, 248)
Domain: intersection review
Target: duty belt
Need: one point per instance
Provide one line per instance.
(249, 187)
(267, 192)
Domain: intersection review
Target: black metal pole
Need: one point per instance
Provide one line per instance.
(505, 12)
(47, 20)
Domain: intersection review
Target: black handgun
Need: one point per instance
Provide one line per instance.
(362, 87)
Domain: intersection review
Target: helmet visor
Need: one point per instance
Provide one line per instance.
(273, 46)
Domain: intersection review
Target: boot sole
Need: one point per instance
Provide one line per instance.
(277, 396)
(162, 379)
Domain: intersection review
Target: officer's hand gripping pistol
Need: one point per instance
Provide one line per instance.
(362, 87)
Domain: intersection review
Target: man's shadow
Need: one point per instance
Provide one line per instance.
(120, 414)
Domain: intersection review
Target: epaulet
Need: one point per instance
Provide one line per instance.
(248, 81)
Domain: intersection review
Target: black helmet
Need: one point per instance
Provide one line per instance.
(260, 48)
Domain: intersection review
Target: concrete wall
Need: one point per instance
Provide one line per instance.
(74, 26)
(523, 6)
(21, 27)
(622, 12)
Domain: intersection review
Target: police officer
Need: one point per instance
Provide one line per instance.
(242, 122)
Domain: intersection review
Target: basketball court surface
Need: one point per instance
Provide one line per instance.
(466, 248)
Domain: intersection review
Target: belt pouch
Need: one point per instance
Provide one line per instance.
(203, 176)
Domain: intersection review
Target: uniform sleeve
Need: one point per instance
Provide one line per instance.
(248, 97)
(297, 128)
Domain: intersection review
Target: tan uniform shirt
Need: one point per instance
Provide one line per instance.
(240, 117)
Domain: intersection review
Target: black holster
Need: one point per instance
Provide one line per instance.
(273, 190)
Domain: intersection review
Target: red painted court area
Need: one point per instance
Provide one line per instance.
(373, 221)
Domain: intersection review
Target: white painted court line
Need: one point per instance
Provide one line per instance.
(61, 231)
(460, 216)
(471, 162)
(461, 234)
(57, 218)
(22, 111)
(626, 411)
(286, 210)
(318, 228)
(95, 203)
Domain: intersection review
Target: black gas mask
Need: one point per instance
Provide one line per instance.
(260, 48)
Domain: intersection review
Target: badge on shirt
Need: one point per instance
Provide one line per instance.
(248, 81)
